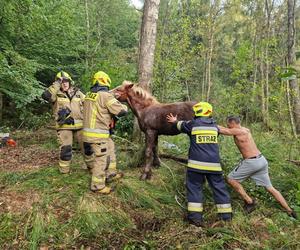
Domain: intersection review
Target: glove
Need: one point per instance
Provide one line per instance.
(64, 117)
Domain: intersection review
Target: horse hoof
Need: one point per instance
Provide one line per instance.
(143, 177)
(156, 165)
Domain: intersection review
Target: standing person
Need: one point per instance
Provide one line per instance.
(67, 102)
(203, 163)
(100, 108)
(254, 165)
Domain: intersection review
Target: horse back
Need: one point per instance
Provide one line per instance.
(154, 116)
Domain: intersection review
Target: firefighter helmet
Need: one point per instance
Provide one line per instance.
(202, 109)
(63, 75)
(102, 79)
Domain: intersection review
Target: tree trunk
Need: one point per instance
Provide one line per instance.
(291, 58)
(87, 36)
(1, 107)
(146, 50)
(147, 42)
(288, 96)
(210, 54)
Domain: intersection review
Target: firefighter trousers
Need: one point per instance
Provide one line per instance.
(195, 197)
(65, 139)
(101, 160)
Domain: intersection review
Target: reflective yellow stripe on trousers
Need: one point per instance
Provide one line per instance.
(195, 207)
(209, 166)
(224, 208)
(95, 133)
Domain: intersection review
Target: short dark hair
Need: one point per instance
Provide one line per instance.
(233, 118)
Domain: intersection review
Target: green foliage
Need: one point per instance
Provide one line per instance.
(38, 38)
(17, 78)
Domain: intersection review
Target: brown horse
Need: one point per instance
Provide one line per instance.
(151, 117)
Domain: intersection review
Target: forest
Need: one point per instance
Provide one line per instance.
(242, 56)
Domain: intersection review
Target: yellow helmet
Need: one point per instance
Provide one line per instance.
(63, 75)
(102, 78)
(202, 109)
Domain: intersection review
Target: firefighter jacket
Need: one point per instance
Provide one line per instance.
(204, 150)
(100, 107)
(71, 100)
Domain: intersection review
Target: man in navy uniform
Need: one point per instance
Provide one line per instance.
(203, 163)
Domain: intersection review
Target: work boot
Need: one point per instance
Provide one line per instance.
(114, 177)
(293, 214)
(64, 170)
(249, 208)
(227, 217)
(105, 190)
(196, 223)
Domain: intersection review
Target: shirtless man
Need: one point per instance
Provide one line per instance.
(254, 165)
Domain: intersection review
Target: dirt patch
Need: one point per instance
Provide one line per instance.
(145, 222)
(22, 158)
(12, 201)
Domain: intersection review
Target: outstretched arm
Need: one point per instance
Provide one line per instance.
(230, 131)
(171, 118)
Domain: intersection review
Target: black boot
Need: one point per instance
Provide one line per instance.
(293, 214)
(249, 208)
(196, 223)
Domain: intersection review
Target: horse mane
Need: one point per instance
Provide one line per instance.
(141, 93)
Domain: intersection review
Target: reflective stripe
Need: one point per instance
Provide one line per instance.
(98, 180)
(111, 102)
(64, 163)
(195, 207)
(210, 166)
(52, 90)
(77, 124)
(224, 208)
(98, 133)
(63, 99)
(204, 132)
(205, 128)
(93, 118)
(179, 125)
(112, 165)
(89, 134)
(76, 99)
(96, 130)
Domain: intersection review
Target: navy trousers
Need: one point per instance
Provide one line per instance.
(194, 185)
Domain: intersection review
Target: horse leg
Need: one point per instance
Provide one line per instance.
(156, 160)
(150, 143)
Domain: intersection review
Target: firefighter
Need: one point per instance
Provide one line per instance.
(67, 101)
(203, 164)
(100, 109)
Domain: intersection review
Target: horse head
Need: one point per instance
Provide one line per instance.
(121, 92)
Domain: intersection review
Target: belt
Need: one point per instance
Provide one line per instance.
(254, 157)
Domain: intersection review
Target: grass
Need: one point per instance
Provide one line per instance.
(143, 215)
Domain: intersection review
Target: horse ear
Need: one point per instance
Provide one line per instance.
(128, 85)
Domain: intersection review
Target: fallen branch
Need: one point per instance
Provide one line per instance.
(295, 162)
(172, 157)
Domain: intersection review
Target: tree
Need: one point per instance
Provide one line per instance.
(147, 49)
(291, 58)
(147, 42)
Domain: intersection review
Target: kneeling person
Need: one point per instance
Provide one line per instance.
(100, 107)
(203, 163)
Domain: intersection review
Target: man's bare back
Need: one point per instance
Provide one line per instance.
(243, 139)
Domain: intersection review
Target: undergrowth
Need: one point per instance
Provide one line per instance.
(144, 215)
